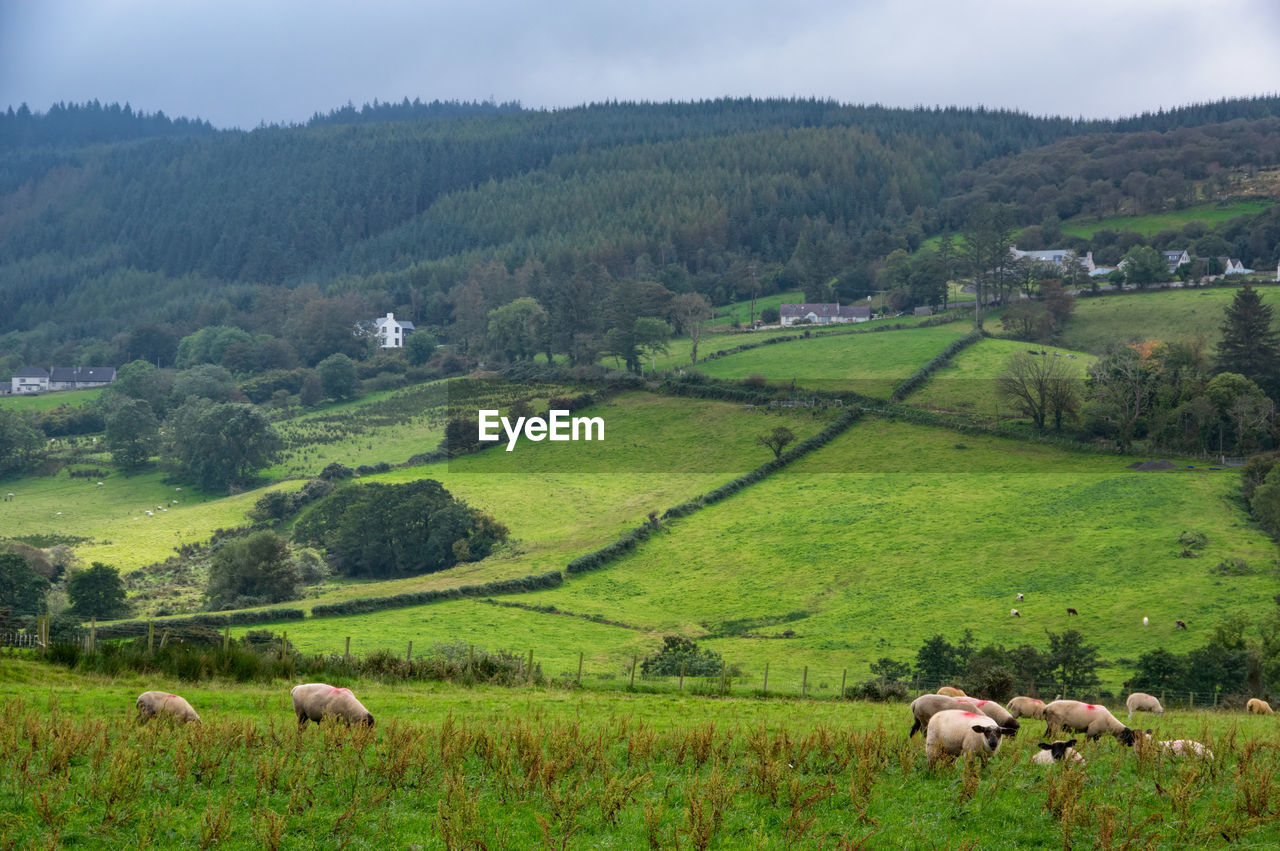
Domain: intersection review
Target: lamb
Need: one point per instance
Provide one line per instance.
(1013, 613)
(1026, 707)
(926, 706)
(153, 703)
(957, 732)
(314, 701)
(1087, 718)
(1145, 622)
(1019, 596)
(1143, 702)
(951, 691)
(1187, 747)
(995, 712)
(1257, 706)
(1059, 751)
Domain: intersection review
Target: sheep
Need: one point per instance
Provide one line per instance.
(1145, 622)
(1072, 611)
(1087, 718)
(995, 712)
(1059, 751)
(951, 691)
(153, 703)
(1143, 702)
(957, 732)
(1257, 706)
(1180, 624)
(1013, 613)
(314, 701)
(926, 706)
(1186, 747)
(1019, 596)
(1026, 707)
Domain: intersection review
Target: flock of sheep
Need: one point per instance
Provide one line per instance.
(311, 702)
(958, 725)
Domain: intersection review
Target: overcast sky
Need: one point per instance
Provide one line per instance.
(238, 63)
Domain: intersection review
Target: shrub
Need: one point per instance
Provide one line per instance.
(680, 655)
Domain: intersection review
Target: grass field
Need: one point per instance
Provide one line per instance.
(866, 363)
(1211, 214)
(740, 311)
(967, 385)
(1157, 315)
(48, 401)
(452, 767)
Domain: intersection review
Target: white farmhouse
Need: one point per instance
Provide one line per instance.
(30, 379)
(823, 314)
(391, 332)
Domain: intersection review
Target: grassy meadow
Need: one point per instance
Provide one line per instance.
(450, 767)
(1210, 214)
(48, 401)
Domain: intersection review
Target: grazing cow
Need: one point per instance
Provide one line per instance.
(1071, 611)
(1180, 624)
(1013, 613)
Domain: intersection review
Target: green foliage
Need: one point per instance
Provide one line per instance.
(252, 571)
(220, 445)
(338, 377)
(21, 588)
(777, 440)
(132, 434)
(397, 530)
(19, 441)
(517, 329)
(1250, 345)
(97, 592)
(364, 605)
(1144, 266)
(681, 656)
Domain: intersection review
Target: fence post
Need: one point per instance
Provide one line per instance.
(634, 657)
(529, 671)
(766, 679)
(844, 673)
(284, 644)
(151, 634)
(346, 653)
(408, 654)
(93, 634)
(682, 664)
(804, 682)
(724, 675)
(226, 637)
(579, 679)
(471, 659)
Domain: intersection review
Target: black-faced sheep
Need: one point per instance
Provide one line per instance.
(315, 701)
(1071, 611)
(1257, 706)
(1088, 718)
(926, 706)
(153, 703)
(1026, 707)
(1180, 624)
(1019, 596)
(1143, 702)
(995, 712)
(1058, 751)
(951, 691)
(958, 732)
(1013, 613)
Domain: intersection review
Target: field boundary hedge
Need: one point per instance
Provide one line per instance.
(364, 605)
(939, 360)
(809, 334)
(135, 629)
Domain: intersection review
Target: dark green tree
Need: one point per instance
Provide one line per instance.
(22, 590)
(1143, 266)
(420, 347)
(338, 376)
(251, 571)
(97, 592)
(220, 446)
(690, 310)
(777, 440)
(518, 329)
(132, 434)
(1249, 344)
(1074, 663)
(20, 441)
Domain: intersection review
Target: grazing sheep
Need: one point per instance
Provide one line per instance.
(957, 732)
(1143, 702)
(1072, 611)
(313, 701)
(1257, 706)
(1059, 751)
(1013, 613)
(995, 712)
(1087, 718)
(951, 691)
(1145, 622)
(1180, 624)
(1026, 707)
(926, 706)
(1019, 596)
(153, 703)
(1187, 747)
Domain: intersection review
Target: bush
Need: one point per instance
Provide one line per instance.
(878, 691)
(681, 656)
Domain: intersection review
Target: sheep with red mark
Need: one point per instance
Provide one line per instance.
(1059, 751)
(1088, 718)
(160, 703)
(316, 701)
(1140, 701)
(926, 706)
(1026, 707)
(959, 732)
(995, 712)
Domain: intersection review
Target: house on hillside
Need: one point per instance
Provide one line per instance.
(29, 379)
(391, 332)
(1233, 266)
(1056, 256)
(823, 314)
(80, 377)
(1175, 258)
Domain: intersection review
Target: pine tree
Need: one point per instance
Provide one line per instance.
(1249, 345)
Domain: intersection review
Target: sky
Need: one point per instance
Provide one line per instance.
(241, 63)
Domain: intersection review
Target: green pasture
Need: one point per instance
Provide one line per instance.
(1211, 214)
(447, 766)
(967, 385)
(48, 401)
(740, 311)
(1104, 321)
(869, 363)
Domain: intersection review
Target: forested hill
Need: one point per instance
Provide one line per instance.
(110, 219)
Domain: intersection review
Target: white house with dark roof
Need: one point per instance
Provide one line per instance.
(1056, 256)
(1176, 258)
(29, 379)
(823, 314)
(390, 331)
(80, 377)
